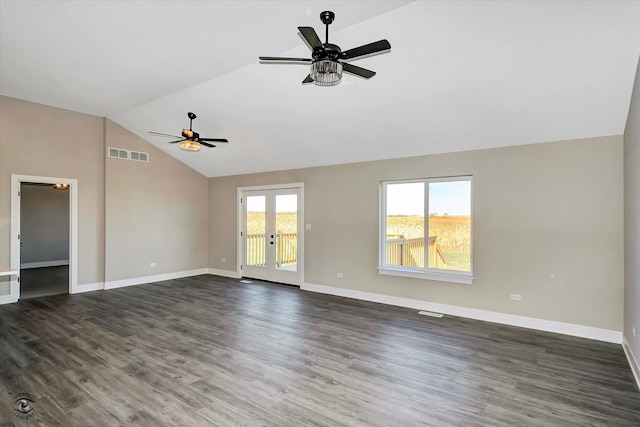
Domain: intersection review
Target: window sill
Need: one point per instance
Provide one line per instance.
(464, 278)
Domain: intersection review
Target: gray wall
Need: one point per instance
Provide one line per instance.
(547, 225)
(44, 224)
(632, 222)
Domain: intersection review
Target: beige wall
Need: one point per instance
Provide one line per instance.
(547, 225)
(547, 217)
(151, 212)
(155, 212)
(632, 221)
(46, 141)
(44, 224)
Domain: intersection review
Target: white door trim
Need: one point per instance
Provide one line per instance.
(301, 227)
(16, 180)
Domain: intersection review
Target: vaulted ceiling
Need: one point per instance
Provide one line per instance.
(459, 76)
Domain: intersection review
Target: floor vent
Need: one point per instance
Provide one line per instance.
(430, 314)
(119, 153)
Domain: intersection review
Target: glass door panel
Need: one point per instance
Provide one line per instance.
(256, 229)
(287, 232)
(271, 235)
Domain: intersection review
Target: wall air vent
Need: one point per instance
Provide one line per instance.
(139, 156)
(119, 153)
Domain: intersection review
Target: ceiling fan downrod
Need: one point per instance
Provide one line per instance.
(191, 117)
(327, 18)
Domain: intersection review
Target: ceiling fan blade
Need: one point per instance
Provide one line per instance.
(163, 134)
(279, 59)
(180, 140)
(311, 37)
(358, 71)
(213, 139)
(308, 79)
(366, 49)
(206, 144)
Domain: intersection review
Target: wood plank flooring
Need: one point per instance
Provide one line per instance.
(44, 281)
(208, 350)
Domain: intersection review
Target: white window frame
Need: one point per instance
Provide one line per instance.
(427, 273)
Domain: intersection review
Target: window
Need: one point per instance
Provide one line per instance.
(443, 252)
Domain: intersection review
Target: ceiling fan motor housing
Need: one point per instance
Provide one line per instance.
(327, 51)
(189, 134)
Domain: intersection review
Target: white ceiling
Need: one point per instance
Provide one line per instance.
(460, 75)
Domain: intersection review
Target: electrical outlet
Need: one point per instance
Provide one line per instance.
(516, 297)
(339, 275)
(152, 264)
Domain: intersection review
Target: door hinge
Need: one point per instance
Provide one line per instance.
(18, 236)
(240, 266)
(241, 234)
(18, 193)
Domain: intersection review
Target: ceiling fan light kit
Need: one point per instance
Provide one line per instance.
(188, 145)
(327, 60)
(326, 73)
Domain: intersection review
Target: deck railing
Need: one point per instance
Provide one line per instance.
(286, 249)
(410, 252)
(399, 251)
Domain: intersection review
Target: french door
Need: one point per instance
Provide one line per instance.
(271, 235)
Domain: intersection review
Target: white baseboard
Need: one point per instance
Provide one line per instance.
(89, 287)
(27, 265)
(13, 293)
(472, 313)
(224, 273)
(633, 361)
(150, 279)
(7, 299)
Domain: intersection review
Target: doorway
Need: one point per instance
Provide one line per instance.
(271, 238)
(71, 276)
(44, 239)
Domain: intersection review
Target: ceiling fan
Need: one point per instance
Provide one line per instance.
(191, 140)
(327, 59)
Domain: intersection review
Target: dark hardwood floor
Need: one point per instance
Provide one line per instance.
(44, 281)
(208, 350)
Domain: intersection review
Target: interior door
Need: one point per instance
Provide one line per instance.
(271, 235)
